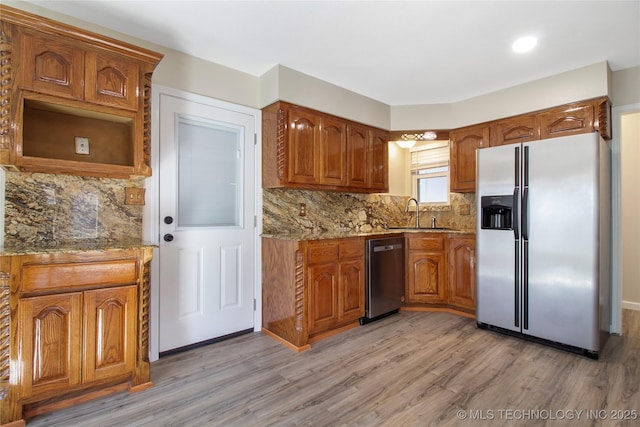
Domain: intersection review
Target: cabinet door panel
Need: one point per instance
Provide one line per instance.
(514, 131)
(357, 152)
(52, 67)
(351, 290)
(109, 332)
(303, 164)
(570, 120)
(333, 141)
(379, 163)
(111, 81)
(462, 275)
(323, 297)
(464, 143)
(50, 332)
(426, 278)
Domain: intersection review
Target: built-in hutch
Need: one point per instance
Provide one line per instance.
(72, 101)
(74, 319)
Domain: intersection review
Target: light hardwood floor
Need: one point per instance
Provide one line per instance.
(410, 369)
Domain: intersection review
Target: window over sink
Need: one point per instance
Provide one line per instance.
(430, 173)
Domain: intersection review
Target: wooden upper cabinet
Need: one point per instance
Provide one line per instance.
(72, 71)
(357, 154)
(302, 151)
(379, 166)
(110, 80)
(60, 82)
(333, 151)
(52, 67)
(514, 130)
(567, 120)
(464, 143)
(307, 149)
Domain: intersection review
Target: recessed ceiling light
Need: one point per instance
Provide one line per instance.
(524, 44)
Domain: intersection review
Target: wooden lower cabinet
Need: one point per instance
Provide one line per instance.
(109, 332)
(462, 271)
(426, 269)
(441, 271)
(336, 294)
(310, 288)
(80, 329)
(75, 338)
(50, 334)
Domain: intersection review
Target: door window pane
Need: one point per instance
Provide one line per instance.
(209, 174)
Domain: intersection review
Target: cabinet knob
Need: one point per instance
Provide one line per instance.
(168, 237)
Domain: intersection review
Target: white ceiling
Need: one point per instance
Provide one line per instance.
(397, 52)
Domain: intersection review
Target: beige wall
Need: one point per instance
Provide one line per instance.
(584, 83)
(399, 176)
(302, 89)
(630, 159)
(626, 87)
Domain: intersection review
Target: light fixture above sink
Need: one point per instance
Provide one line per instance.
(408, 140)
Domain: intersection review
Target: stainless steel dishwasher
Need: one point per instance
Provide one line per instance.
(384, 286)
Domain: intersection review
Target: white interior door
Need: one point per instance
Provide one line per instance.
(206, 255)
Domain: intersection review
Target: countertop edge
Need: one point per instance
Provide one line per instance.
(75, 248)
(371, 234)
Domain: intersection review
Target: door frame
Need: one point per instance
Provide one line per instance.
(616, 215)
(151, 211)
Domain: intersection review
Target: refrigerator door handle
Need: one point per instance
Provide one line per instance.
(525, 238)
(516, 232)
(525, 195)
(515, 218)
(525, 214)
(525, 285)
(516, 283)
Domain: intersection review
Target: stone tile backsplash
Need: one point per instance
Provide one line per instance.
(329, 211)
(51, 209)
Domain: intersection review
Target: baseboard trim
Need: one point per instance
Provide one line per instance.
(426, 308)
(630, 305)
(285, 342)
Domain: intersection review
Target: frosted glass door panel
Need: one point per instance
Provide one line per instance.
(210, 159)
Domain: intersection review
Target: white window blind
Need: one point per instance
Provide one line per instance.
(434, 155)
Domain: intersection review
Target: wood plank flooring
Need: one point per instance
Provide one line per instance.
(410, 369)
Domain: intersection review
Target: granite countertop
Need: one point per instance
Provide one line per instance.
(70, 247)
(342, 234)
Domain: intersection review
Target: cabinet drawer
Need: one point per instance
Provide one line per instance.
(323, 252)
(426, 243)
(352, 249)
(335, 250)
(42, 277)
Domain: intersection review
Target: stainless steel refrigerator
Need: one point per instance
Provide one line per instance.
(543, 241)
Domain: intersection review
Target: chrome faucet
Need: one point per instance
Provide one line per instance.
(406, 209)
(433, 222)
